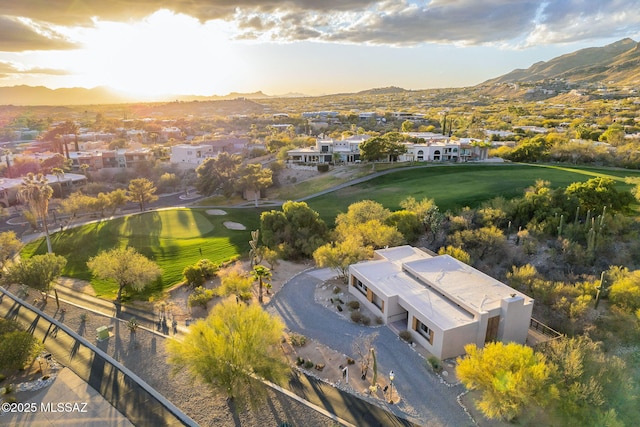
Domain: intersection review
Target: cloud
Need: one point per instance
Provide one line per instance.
(514, 23)
(575, 20)
(80, 12)
(8, 69)
(17, 35)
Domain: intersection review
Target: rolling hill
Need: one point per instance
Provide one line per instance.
(618, 62)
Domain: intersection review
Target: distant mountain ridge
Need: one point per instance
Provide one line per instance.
(617, 62)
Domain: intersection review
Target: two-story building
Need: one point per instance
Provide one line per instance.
(444, 303)
(190, 156)
(347, 150)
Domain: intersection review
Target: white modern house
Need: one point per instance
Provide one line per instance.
(347, 150)
(190, 156)
(445, 304)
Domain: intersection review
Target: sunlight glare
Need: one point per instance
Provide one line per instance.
(158, 55)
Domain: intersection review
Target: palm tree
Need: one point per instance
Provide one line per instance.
(59, 173)
(35, 191)
(261, 274)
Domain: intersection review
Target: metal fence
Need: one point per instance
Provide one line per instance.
(128, 393)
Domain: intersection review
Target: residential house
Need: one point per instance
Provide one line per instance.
(190, 156)
(346, 150)
(445, 304)
(9, 186)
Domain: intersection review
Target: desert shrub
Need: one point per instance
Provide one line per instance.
(298, 340)
(365, 320)
(17, 347)
(336, 290)
(323, 167)
(406, 336)
(208, 268)
(200, 296)
(379, 320)
(309, 364)
(354, 305)
(435, 363)
(356, 316)
(299, 361)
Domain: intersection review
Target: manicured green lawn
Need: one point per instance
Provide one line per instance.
(456, 186)
(172, 238)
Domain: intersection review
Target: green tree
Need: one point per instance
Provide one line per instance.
(235, 281)
(599, 192)
(262, 274)
(407, 223)
(361, 212)
(625, 291)
(373, 149)
(218, 173)
(407, 126)
(141, 191)
(592, 385)
(193, 275)
(35, 191)
(255, 178)
(200, 297)
(456, 253)
(373, 233)
(340, 255)
(235, 347)
(614, 135)
(9, 246)
(39, 272)
(76, 203)
(128, 268)
(298, 230)
(59, 173)
(427, 212)
(117, 199)
(508, 376)
(481, 243)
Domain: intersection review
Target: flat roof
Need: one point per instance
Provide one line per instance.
(390, 280)
(465, 285)
(449, 291)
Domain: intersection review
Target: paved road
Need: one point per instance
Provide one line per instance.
(434, 402)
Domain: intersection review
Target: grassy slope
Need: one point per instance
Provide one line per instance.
(454, 187)
(172, 238)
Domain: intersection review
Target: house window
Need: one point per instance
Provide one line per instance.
(377, 301)
(360, 286)
(424, 330)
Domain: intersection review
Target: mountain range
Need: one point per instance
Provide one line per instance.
(617, 63)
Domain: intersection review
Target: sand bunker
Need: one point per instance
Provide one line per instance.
(234, 225)
(216, 212)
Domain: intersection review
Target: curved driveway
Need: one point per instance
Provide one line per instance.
(434, 402)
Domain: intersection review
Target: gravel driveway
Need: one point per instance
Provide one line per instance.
(425, 398)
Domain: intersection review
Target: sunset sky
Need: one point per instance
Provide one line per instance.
(208, 47)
